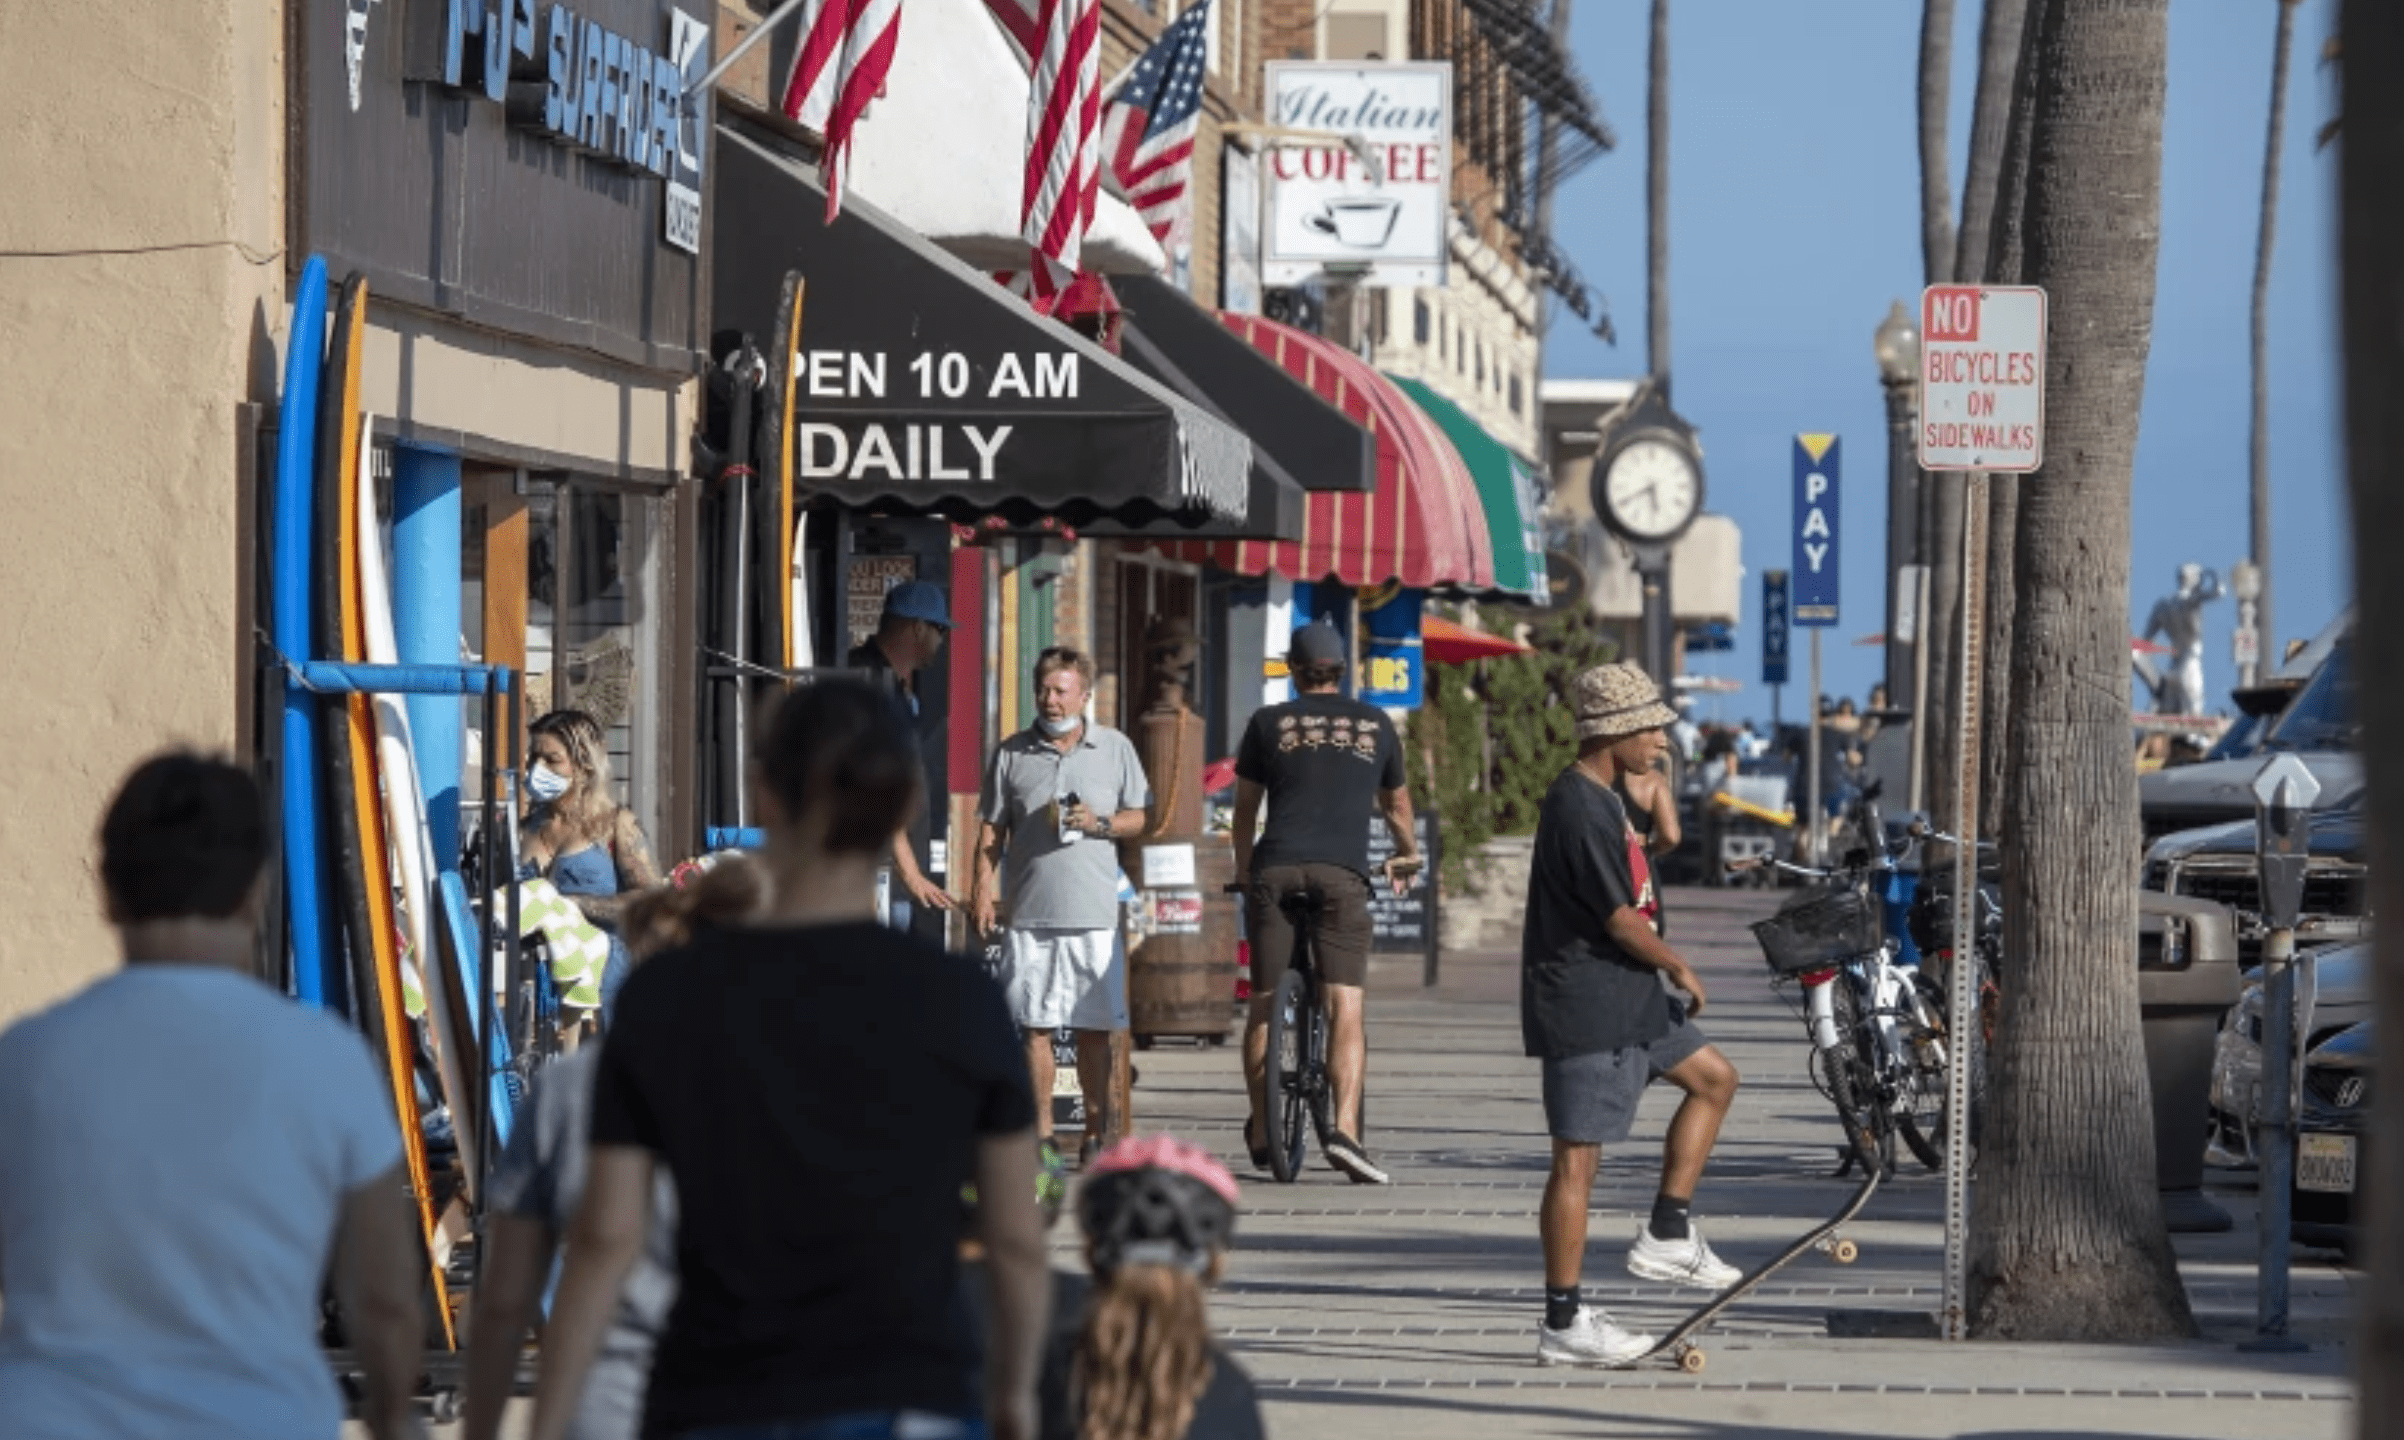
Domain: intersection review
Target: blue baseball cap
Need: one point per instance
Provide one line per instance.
(918, 600)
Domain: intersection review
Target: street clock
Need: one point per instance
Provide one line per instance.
(1648, 482)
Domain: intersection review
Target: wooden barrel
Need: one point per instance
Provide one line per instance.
(1181, 976)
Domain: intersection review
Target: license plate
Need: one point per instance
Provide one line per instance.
(2325, 1163)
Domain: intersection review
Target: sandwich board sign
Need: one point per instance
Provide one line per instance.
(1814, 597)
(1982, 378)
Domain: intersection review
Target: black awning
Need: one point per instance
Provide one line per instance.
(922, 385)
(1316, 444)
(1275, 511)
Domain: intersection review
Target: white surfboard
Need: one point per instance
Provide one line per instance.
(408, 839)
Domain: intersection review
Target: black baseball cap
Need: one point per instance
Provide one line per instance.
(1316, 644)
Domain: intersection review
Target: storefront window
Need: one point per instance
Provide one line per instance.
(586, 560)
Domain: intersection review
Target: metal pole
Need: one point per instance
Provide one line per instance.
(709, 77)
(1961, 1020)
(2278, 1144)
(1811, 758)
(1927, 627)
(1902, 536)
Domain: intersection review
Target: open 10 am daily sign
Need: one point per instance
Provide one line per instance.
(1982, 378)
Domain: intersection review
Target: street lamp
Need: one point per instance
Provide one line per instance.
(1897, 345)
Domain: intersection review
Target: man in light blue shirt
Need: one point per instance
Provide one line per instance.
(188, 1154)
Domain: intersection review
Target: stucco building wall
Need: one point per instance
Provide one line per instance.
(153, 124)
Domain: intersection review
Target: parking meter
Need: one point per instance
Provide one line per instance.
(2284, 790)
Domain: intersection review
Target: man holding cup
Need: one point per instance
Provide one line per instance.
(1055, 795)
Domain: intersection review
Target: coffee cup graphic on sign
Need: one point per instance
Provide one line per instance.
(1364, 222)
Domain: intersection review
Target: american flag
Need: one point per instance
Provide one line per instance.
(846, 48)
(1063, 41)
(1148, 124)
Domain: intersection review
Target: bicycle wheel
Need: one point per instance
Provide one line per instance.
(1319, 1092)
(1850, 1078)
(1282, 1075)
(1930, 1115)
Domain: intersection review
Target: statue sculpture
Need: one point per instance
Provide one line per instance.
(1168, 733)
(2179, 619)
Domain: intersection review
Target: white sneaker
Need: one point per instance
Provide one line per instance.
(1688, 1262)
(1591, 1339)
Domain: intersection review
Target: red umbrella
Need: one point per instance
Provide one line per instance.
(1445, 643)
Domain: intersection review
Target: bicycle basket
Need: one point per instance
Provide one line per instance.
(1820, 933)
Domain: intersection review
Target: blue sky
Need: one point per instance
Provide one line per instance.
(1794, 221)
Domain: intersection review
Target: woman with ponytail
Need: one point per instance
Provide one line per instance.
(1140, 1364)
(821, 1088)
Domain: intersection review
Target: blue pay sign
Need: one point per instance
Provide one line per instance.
(1815, 583)
(1776, 626)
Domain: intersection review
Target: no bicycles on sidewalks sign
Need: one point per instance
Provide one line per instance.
(1982, 378)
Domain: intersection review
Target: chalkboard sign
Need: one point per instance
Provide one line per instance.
(1404, 924)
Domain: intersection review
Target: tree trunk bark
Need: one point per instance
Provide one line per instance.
(1936, 98)
(2004, 261)
(2066, 1233)
(2371, 290)
(1999, 31)
(2258, 467)
(1656, 200)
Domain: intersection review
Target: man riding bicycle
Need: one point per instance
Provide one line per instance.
(1326, 764)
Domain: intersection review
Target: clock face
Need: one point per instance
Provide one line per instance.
(1652, 489)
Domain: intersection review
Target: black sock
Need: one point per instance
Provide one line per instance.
(1669, 1217)
(1561, 1307)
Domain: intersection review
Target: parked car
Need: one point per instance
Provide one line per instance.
(2218, 863)
(2332, 1122)
(2334, 997)
(2317, 724)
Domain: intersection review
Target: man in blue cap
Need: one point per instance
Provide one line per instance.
(908, 636)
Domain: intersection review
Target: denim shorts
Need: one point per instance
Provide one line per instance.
(1591, 1099)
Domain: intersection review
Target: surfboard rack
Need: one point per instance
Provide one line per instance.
(497, 904)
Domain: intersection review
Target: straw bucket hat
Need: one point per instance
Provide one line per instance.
(1617, 700)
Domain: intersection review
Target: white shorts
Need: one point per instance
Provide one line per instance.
(1076, 978)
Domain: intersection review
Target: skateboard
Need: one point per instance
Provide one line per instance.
(1679, 1344)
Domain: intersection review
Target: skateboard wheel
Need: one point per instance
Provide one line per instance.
(1692, 1361)
(1844, 1252)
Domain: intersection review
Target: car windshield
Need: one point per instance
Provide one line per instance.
(2321, 717)
(2242, 738)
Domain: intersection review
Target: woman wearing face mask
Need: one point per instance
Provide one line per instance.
(585, 843)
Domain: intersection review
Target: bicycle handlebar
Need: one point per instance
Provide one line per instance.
(1922, 830)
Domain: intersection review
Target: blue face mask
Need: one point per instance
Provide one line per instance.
(545, 784)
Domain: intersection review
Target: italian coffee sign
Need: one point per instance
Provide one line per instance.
(1362, 194)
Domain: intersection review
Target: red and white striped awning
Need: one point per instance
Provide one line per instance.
(1422, 526)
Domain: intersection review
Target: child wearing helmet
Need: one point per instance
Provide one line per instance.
(1139, 1363)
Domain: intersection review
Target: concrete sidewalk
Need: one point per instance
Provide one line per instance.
(1411, 1311)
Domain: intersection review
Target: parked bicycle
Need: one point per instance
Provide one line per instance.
(1877, 1023)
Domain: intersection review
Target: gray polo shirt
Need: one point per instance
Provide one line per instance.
(1050, 883)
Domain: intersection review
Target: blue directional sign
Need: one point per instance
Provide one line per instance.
(1816, 493)
(1776, 626)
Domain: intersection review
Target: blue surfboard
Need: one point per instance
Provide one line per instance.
(317, 974)
(459, 936)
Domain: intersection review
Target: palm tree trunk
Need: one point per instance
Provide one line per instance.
(2258, 531)
(1999, 29)
(1936, 98)
(2066, 1233)
(2370, 247)
(2004, 262)
(1656, 200)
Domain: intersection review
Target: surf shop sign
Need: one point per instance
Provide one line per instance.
(593, 89)
(1360, 191)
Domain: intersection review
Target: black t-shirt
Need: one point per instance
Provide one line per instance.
(1322, 758)
(1579, 992)
(819, 1094)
